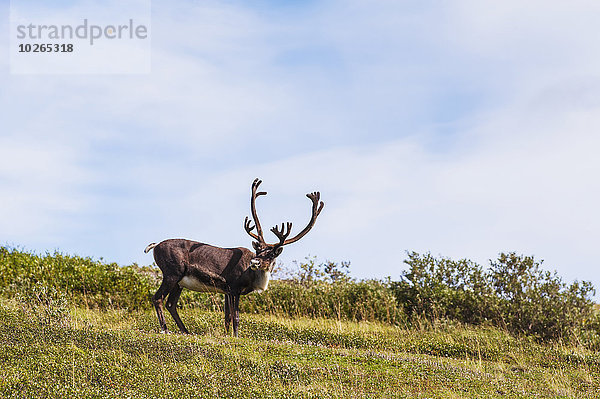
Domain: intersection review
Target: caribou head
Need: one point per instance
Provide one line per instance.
(267, 253)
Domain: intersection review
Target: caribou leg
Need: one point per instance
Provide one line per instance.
(157, 300)
(236, 313)
(172, 307)
(228, 306)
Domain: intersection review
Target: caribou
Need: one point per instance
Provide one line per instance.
(230, 271)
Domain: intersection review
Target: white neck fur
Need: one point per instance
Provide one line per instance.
(261, 282)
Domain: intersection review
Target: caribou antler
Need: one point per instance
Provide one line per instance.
(247, 222)
(286, 229)
(249, 228)
(283, 233)
(316, 209)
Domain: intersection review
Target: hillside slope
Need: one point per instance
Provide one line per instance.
(54, 351)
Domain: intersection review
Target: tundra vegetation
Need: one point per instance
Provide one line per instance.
(78, 327)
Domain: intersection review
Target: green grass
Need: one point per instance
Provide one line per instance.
(55, 351)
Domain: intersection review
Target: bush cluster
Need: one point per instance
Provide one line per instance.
(513, 293)
(84, 281)
(367, 300)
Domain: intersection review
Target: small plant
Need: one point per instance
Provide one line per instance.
(310, 271)
(47, 305)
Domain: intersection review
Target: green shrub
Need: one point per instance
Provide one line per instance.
(83, 280)
(514, 293)
(443, 288)
(369, 300)
(537, 302)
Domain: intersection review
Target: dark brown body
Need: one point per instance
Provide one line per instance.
(203, 267)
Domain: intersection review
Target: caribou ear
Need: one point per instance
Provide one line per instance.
(255, 245)
(278, 251)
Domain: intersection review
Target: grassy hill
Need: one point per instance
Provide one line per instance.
(81, 328)
(53, 351)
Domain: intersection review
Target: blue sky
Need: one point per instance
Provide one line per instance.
(461, 128)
